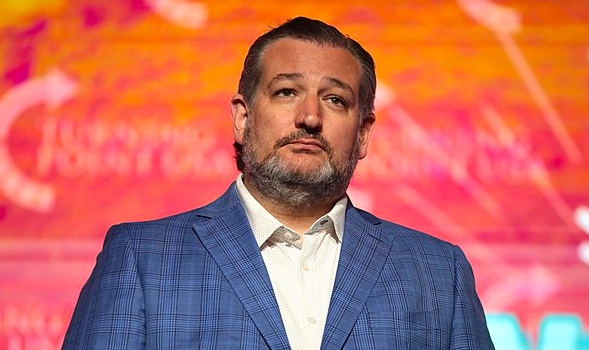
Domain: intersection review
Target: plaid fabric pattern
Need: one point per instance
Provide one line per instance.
(197, 280)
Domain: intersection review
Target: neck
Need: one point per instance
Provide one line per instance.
(298, 218)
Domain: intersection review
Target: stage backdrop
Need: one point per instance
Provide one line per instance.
(115, 111)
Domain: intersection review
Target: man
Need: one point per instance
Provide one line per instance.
(283, 259)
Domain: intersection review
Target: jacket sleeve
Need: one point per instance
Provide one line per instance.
(110, 312)
(469, 328)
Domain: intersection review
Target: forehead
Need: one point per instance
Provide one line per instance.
(314, 61)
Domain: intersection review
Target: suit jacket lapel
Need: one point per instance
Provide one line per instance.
(225, 232)
(363, 253)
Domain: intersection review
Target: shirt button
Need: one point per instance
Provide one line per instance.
(312, 320)
(305, 267)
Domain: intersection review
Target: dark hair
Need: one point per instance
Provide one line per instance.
(314, 31)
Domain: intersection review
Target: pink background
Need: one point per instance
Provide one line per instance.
(115, 111)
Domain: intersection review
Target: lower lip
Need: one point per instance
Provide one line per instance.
(306, 146)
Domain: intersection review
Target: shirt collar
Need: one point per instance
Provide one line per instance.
(264, 224)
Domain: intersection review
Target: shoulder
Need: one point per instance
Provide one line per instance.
(411, 240)
(148, 237)
(425, 253)
(159, 225)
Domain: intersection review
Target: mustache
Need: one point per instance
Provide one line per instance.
(303, 134)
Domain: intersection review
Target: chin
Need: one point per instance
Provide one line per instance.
(304, 166)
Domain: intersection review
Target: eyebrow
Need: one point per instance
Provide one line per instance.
(341, 84)
(285, 76)
(296, 76)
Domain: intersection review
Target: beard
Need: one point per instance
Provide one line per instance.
(287, 185)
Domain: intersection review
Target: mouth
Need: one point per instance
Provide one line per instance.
(307, 144)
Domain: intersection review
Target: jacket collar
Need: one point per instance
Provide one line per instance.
(224, 230)
(364, 251)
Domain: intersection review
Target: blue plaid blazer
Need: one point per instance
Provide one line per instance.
(197, 280)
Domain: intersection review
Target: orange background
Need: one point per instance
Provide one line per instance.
(116, 111)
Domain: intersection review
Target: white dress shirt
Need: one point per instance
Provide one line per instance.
(302, 274)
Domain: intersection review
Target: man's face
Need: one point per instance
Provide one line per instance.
(304, 117)
(305, 110)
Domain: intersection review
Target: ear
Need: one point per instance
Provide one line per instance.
(365, 132)
(240, 112)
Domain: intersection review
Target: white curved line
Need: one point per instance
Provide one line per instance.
(495, 17)
(183, 13)
(582, 218)
(52, 90)
(583, 252)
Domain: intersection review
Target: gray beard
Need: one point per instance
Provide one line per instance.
(286, 186)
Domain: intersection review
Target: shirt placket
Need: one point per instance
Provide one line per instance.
(310, 286)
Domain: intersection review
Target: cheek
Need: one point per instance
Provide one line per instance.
(345, 135)
(269, 130)
(344, 144)
(264, 136)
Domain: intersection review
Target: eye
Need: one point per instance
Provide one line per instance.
(285, 92)
(336, 100)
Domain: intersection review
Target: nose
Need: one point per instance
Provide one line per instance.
(310, 115)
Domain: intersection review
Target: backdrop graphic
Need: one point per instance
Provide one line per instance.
(115, 111)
